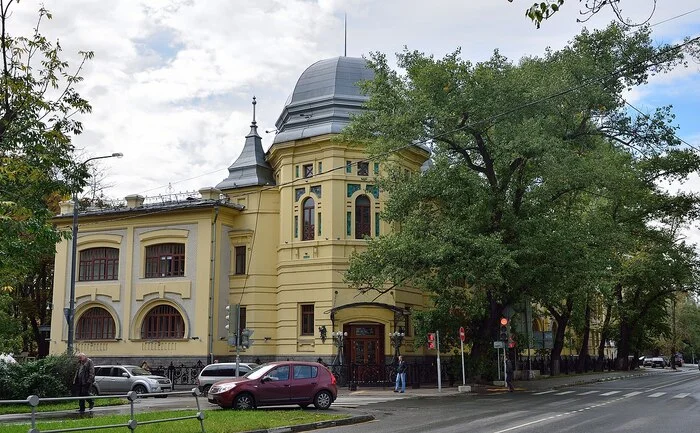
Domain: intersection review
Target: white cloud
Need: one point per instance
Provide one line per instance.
(172, 80)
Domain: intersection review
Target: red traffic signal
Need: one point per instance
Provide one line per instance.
(504, 321)
(431, 340)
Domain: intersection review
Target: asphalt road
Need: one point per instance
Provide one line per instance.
(664, 402)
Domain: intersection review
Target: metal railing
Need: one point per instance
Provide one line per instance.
(34, 400)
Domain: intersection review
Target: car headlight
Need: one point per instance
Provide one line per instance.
(225, 387)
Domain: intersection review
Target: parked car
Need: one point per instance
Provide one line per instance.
(120, 379)
(220, 371)
(655, 361)
(278, 383)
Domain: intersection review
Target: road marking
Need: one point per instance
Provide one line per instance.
(588, 392)
(656, 394)
(543, 392)
(564, 393)
(610, 393)
(684, 395)
(632, 394)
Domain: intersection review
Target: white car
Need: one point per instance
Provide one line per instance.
(221, 371)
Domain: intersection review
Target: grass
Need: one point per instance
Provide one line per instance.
(215, 421)
(50, 407)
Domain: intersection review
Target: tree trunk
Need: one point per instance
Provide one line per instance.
(623, 346)
(583, 353)
(604, 333)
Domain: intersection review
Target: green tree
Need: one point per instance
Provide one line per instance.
(522, 154)
(39, 115)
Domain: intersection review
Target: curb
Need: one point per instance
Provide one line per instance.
(316, 425)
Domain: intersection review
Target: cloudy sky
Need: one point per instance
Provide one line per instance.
(172, 80)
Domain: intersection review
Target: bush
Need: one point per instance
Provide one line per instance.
(48, 377)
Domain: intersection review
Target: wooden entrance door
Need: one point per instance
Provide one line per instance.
(366, 354)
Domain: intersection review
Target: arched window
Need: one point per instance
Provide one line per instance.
(97, 264)
(165, 260)
(95, 324)
(363, 222)
(163, 322)
(307, 232)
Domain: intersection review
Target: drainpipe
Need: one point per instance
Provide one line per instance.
(212, 281)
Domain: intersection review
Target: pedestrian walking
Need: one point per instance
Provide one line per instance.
(400, 375)
(83, 380)
(509, 375)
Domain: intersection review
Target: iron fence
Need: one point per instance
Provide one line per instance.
(377, 375)
(180, 374)
(34, 400)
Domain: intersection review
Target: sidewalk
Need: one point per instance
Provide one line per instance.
(539, 384)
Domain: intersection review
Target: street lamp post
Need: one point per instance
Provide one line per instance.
(70, 314)
(396, 338)
(339, 341)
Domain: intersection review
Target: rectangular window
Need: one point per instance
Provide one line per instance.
(165, 260)
(320, 167)
(319, 223)
(97, 264)
(296, 227)
(376, 168)
(376, 224)
(240, 260)
(308, 170)
(307, 319)
(349, 224)
(296, 171)
(363, 168)
(348, 166)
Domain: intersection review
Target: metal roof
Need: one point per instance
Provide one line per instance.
(324, 98)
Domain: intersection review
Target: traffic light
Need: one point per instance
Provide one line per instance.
(431, 340)
(246, 342)
(503, 336)
(511, 342)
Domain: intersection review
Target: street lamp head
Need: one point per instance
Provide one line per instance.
(117, 154)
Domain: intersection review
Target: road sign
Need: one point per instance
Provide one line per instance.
(461, 333)
(498, 345)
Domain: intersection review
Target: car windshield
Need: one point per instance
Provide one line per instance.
(259, 371)
(138, 371)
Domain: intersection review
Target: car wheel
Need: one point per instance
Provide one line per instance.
(304, 405)
(206, 389)
(140, 389)
(244, 401)
(323, 400)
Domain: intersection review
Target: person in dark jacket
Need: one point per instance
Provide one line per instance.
(509, 375)
(400, 375)
(83, 380)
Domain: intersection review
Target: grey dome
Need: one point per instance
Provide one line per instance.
(324, 98)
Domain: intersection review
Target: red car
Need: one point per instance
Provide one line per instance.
(277, 383)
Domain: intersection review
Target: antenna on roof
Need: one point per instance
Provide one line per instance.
(345, 52)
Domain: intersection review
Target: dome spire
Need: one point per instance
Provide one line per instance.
(250, 168)
(254, 102)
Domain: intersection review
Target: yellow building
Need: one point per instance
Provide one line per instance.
(153, 279)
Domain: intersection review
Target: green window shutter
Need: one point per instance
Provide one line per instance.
(376, 168)
(348, 166)
(319, 223)
(349, 224)
(296, 226)
(296, 171)
(376, 224)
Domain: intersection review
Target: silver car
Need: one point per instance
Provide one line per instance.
(120, 379)
(221, 371)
